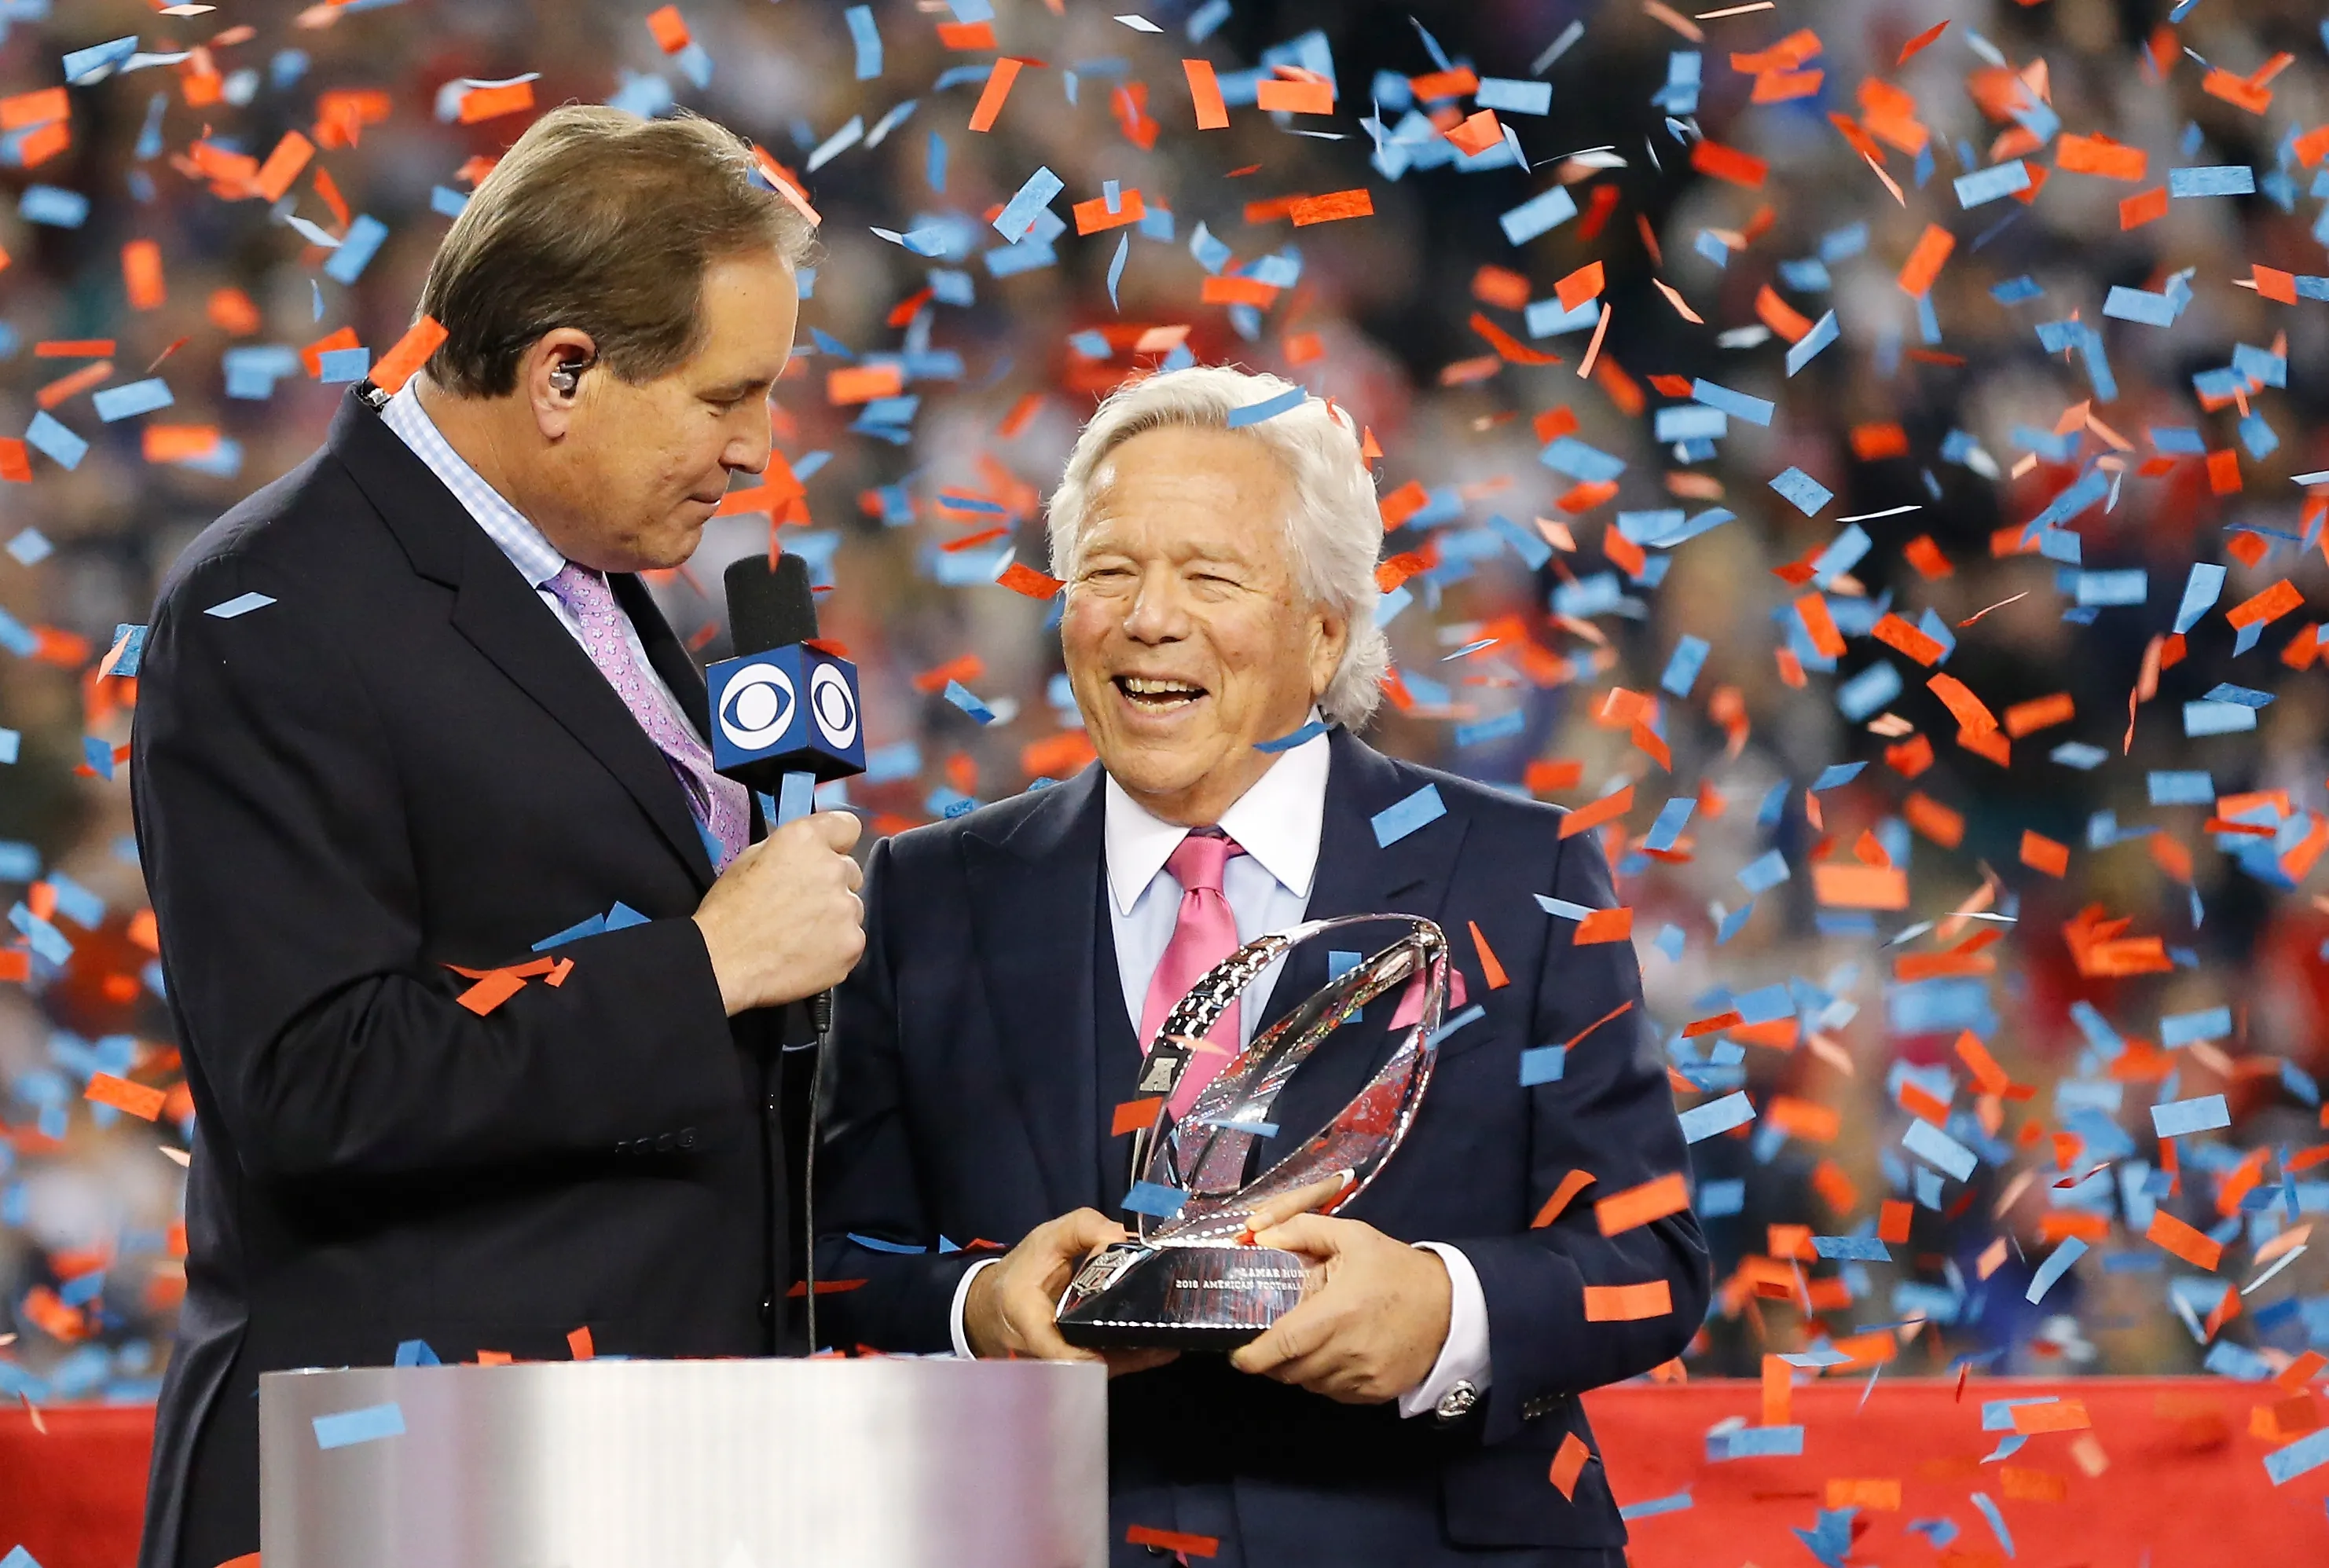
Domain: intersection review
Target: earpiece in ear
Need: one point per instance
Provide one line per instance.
(564, 378)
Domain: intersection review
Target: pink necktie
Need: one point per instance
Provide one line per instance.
(719, 805)
(1204, 934)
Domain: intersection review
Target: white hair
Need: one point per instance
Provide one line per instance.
(1334, 532)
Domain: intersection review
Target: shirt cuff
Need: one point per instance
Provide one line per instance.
(1463, 1357)
(962, 1300)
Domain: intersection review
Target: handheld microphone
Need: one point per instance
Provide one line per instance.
(783, 716)
(783, 712)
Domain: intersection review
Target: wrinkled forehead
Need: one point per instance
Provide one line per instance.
(1194, 489)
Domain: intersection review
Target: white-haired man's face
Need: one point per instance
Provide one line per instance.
(1188, 639)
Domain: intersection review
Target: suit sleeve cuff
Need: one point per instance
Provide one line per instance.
(962, 1300)
(1462, 1356)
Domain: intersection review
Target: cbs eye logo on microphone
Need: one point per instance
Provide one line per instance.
(790, 710)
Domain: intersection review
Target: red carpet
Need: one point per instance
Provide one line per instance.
(2182, 1475)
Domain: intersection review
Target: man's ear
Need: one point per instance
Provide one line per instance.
(1330, 635)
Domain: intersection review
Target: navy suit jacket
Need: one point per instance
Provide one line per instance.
(975, 1080)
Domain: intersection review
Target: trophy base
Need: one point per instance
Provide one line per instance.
(1204, 1297)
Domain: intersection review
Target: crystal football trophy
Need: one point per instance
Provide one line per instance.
(1192, 1278)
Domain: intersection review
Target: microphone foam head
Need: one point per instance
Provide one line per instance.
(769, 607)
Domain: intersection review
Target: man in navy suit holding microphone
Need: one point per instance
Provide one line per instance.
(1418, 1406)
(408, 714)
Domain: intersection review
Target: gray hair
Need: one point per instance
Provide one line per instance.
(1336, 528)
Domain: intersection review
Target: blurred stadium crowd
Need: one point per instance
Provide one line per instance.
(2117, 923)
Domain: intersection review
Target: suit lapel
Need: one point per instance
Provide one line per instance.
(1357, 876)
(498, 611)
(1034, 909)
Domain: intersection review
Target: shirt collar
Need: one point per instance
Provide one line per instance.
(536, 559)
(1278, 821)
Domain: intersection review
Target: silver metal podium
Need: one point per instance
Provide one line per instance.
(863, 1463)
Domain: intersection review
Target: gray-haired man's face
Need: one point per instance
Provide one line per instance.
(1189, 639)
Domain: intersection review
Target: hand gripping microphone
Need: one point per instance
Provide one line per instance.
(783, 716)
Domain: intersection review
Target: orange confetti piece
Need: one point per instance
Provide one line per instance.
(1853, 887)
(1225, 290)
(2039, 713)
(670, 31)
(1568, 1463)
(1864, 1492)
(1134, 1116)
(1674, 297)
(1607, 808)
(1819, 625)
(178, 442)
(1490, 969)
(1627, 1303)
(1476, 134)
(1574, 1182)
(1307, 209)
(580, 1345)
(1310, 96)
(2040, 853)
(486, 103)
(1585, 283)
(862, 383)
(1872, 442)
(73, 349)
(1021, 578)
(2143, 207)
(1895, 632)
(1172, 1540)
(1918, 44)
(137, 1100)
(2058, 1415)
(990, 98)
(68, 386)
(1593, 352)
(496, 987)
(1508, 347)
(1605, 926)
(2100, 156)
(1937, 821)
(1712, 157)
(1640, 1205)
(1925, 262)
(2266, 608)
(1972, 713)
(1459, 82)
(410, 353)
(964, 36)
(283, 165)
(1093, 216)
(1205, 95)
(2192, 1246)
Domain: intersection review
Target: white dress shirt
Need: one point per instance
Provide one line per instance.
(1277, 823)
(536, 559)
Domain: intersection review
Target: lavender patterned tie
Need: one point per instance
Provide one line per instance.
(720, 807)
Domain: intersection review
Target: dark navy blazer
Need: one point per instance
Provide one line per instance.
(981, 1047)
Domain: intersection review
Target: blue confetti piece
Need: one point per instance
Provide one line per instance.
(2128, 586)
(1115, 276)
(1931, 1144)
(2308, 1452)
(1284, 402)
(1985, 185)
(369, 1424)
(1761, 1442)
(1154, 1199)
(355, 252)
(1587, 464)
(2247, 696)
(1717, 1116)
(1754, 411)
(1562, 907)
(416, 1353)
(1308, 732)
(2201, 718)
(1683, 666)
(1764, 872)
(240, 604)
(447, 202)
(1394, 822)
(876, 1244)
(1671, 1504)
(2177, 1118)
(1997, 1521)
(2185, 1028)
(2200, 589)
(2058, 1264)
(963, 698)
(933, 165)
(344, 365)
(2179, 788)
(1511, 95)
(868, 40)
(1018, 214)
(30, 547)
(48, 435)
(1806, 494)
(1807, 347)
(52, 205)
(1470, 1015)
(1538, 214)
(1717, 1198)
(2212, 179)
(1542, 1065)
(1853, 1249)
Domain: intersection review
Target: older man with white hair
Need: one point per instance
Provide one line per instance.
(1418, 1406)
